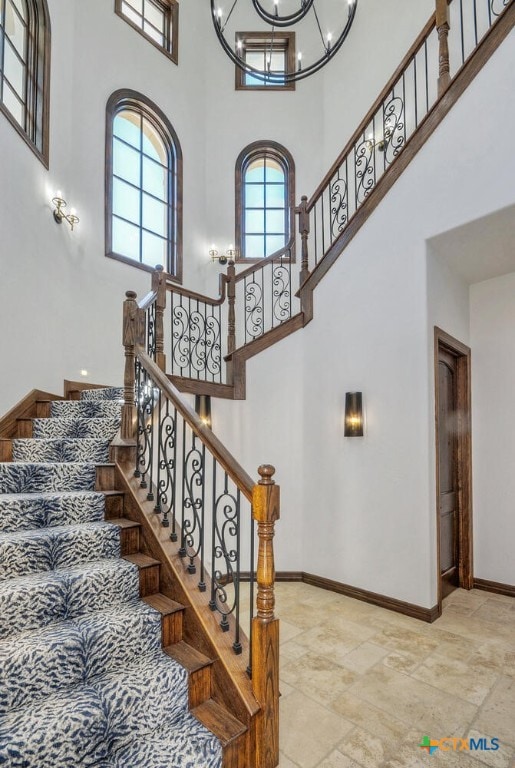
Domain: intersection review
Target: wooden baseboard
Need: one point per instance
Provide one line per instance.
(390, 603)
(495, 586)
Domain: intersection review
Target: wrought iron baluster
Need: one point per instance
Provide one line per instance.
(160, 466)
(462, 28)
(415, 89)
(167, 466)
(475, 22)
(427, 76)
(193, 483)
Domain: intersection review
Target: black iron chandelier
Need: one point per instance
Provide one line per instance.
(321, 27)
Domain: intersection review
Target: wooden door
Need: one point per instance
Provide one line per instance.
(448, 491)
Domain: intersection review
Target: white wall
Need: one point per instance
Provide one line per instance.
(368, 504)
(492, 321)
(360, 511)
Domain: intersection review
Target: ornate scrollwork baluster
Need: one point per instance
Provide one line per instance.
(364, 169)
(193, 488)
(281, 291)
(225, 576)
(196, 341)
(254, 320)
(393, 128)
(339, 204)
(168, 466)
(499, 6)
(144, 445)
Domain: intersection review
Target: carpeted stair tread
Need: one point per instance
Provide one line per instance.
(103, 393)
(75, 426)
(39, 663)
(31, 602)
(183, 744)
(24, 511)
(34, 601)
(100, 585)
(149, 691)
(37, 477)
(90, 409)
(46, 549)
(66, 730)
(90, 449)
(115, 637)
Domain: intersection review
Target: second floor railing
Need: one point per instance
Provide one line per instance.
(199, 332)
(445, 44)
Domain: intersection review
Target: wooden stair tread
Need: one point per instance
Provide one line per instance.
(141, 560)
(187, 656)
(163, 604)
(124, 522)
(113, 493)
(219, 721)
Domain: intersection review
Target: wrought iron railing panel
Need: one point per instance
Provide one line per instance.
(388, 129)
(208, 516)
(196, 338)
(267, 295)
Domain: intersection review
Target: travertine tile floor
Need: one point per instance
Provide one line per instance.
(361, 685)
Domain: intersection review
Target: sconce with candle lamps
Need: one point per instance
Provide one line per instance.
(59, 214)
(222, 258)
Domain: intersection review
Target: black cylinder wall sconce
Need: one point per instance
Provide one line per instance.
(203, 409)
(353, 414)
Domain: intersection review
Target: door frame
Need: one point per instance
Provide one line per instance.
(461, 352)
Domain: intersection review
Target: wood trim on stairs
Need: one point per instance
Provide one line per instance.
(383, 601)
(495, 586)
(25, 408)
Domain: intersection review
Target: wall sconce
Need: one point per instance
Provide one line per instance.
(353, 414)
(222, 258)
(381, 143)
(203, 409)
(59, 213)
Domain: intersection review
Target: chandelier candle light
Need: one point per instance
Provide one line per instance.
(321, 26)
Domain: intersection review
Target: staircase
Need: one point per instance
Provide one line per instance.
(84, 677)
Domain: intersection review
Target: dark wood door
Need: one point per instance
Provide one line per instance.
(448, 471)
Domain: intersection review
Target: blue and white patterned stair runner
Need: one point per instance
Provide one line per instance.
(83, 679)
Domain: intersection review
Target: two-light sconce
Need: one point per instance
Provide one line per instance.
(222, 258)
(353, 426)
(59, 213)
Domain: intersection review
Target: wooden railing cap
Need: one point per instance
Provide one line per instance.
(266, 472)
(131, 294)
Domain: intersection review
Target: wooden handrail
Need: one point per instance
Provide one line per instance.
(204, 433)
(172, 287)
(358, 133)
(147, 300)
(267, 260)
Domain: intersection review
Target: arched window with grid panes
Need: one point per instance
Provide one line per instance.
(143, 185)
(24, 70)
(265, 200)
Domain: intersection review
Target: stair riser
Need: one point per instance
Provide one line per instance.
(60, 450)
(92, 409)
(50, 549)
(40, 478)
(105, 477)
(34, 602)
(33, 511)
(73, 427)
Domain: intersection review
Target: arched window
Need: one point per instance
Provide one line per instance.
(24, 70)
(143, 185)
(265, 200)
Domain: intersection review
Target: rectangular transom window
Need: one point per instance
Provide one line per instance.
(269, 53)
(157, 20)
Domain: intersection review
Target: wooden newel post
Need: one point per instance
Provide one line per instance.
(129, 339)
(265, 627)
(159, 286)
(303, 214)
(442, 27)
(231, 299)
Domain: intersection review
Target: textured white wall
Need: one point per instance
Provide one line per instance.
(360, 511)
(492, 321)
(367, 505)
